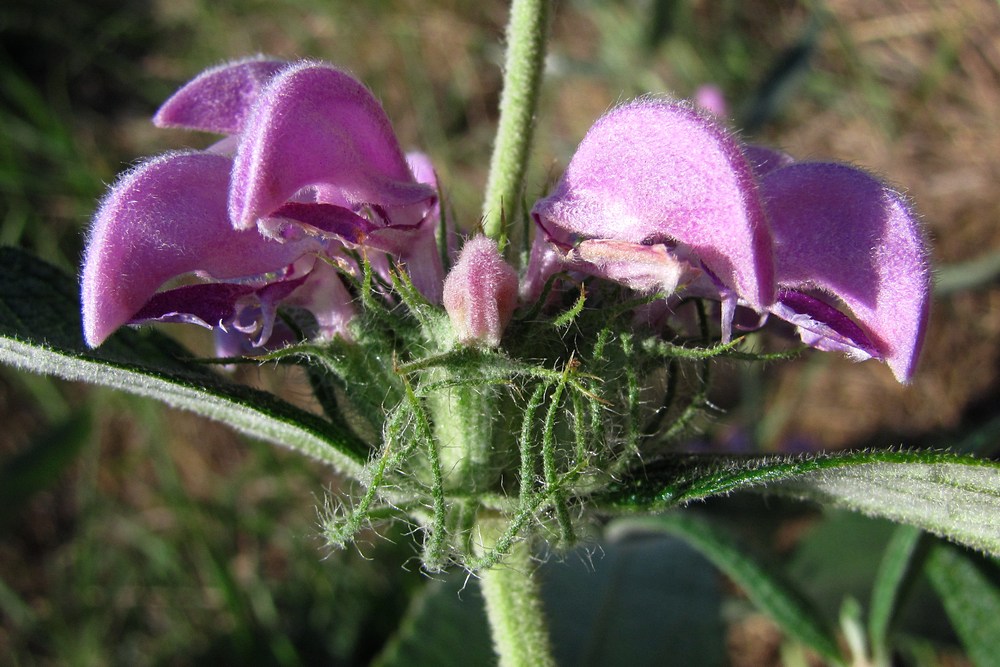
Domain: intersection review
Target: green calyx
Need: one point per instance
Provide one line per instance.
(523, 436)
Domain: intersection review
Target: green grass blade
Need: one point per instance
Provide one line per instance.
(41, 464)
(894, 578)
(768, 591)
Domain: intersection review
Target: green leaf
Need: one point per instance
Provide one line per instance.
(957, 497)
(445, 626)
(634, 600)
(40, 332)
(837, 557)
(971, 599)
(771, 593)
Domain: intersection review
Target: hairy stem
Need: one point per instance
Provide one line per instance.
(513, 605)
(526, 31)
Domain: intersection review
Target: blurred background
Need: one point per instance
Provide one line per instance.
(132, 534)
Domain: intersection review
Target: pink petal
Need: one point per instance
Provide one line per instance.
(657, 171)
(546, 260)
(327, 219)
(246, 308)
(205, 304)
(219, 99)
(823, 326)
(315, 126)
(424, 171)
(840, 231)
(638, 267)
(164, 219)
(422, 168)
(323, 294)
(764, 160)
(417, 246)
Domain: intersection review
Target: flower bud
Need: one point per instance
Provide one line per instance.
(480, 293)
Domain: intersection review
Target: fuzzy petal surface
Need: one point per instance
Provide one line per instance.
(764, 160)
(164, 219)
(658, 171)
(480, 293)
(219, 99)
(315, 126)
(639, 267)
(842, 232)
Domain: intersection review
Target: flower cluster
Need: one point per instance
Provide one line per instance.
(659, 197)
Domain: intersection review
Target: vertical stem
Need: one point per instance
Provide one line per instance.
(463, 427)
(526, 31)
(514, 606)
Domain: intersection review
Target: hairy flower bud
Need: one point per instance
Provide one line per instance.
(480, 293)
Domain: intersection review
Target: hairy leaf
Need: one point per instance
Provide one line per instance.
(634, 600)
(957, 497)
(444, 626)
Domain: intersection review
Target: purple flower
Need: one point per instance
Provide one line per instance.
(480, 293)
(659, 197)
(311, 167)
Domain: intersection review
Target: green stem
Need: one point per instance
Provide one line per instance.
(514, 606)
(526, 31)
(463, 427)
